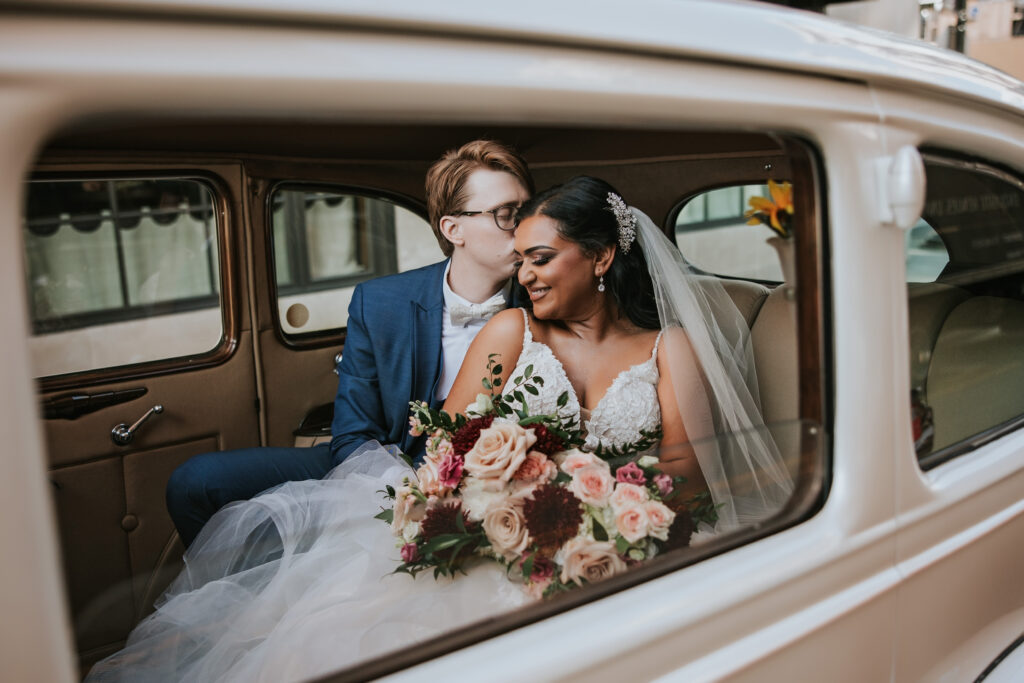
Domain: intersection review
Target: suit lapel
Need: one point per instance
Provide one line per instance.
(426, 350)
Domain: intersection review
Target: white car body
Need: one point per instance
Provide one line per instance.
(901, 575)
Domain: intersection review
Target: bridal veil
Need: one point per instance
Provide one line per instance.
(716, 386)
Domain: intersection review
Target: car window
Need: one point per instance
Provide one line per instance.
(712, 233)
(966, 319)
(117, 268)
(926, 254)
(326, 241)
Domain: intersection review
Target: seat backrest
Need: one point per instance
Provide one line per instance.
(976, 376)
(775, 355)
(930, 304)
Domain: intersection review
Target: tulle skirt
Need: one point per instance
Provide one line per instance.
(298, 582)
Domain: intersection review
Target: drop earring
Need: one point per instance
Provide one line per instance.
(600, 284)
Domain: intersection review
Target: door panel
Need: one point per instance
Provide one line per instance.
(135, 274)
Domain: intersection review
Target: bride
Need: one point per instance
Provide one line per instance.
(298, 582)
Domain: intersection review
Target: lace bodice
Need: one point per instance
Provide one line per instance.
(630, 404)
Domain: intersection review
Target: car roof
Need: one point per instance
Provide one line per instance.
(728, 31)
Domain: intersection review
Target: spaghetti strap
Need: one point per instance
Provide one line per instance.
(527, 335)
(657, 340)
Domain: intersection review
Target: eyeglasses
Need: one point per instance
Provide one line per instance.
(504, 216)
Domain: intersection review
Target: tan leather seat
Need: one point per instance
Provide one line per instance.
(976, 376)
(930, 304)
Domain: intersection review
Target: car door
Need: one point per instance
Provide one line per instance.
(142, 347)
(960, 460)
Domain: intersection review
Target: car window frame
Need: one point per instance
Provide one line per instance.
(816, 372)
(334, 336)
(941, 156)
(229, 271)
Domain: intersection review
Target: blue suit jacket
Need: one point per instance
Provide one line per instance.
(392, 356)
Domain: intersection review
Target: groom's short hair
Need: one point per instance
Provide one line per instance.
(446, 179)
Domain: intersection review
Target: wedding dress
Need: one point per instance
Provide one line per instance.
(298, 581)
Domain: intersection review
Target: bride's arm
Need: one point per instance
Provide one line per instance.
(502, 335)
(685, 412)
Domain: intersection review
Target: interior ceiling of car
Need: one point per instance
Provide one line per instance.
(320, 140)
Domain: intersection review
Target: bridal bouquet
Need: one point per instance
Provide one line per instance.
(515, 487)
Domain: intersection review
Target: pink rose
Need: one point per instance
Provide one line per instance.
(590, 561)
(628, 496)
(659, 519)
(575, 459)
(592, 484)
(505, 526)
(664, 484)
(428, 478)
(632, 523)
(499, 451)
(449, 470)
(536, 467)
(631, 474)
(409, 552)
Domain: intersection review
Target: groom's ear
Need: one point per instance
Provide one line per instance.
(452, 231)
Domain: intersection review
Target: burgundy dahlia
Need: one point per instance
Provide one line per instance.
(547, 443)
(466, 436)
(441, 519)
(681, 530)
(553, 515)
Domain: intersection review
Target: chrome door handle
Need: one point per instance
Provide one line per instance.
(122, 434)
(337, 362)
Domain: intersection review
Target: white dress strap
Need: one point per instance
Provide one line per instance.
(527, 335)
(657, 340)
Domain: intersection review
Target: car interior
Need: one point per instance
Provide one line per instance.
(264, 375)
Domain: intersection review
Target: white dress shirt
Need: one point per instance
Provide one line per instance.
(455, 339)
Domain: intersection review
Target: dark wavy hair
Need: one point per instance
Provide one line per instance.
(584, 216)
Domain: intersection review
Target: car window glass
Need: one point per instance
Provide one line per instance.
(326, 242)
(926, 254)
(113, 266)
(712, 233)
(966, 326)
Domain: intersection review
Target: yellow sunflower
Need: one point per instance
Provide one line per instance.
(774, 212)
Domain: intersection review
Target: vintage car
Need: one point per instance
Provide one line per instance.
(192, 189)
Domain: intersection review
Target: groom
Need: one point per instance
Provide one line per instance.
(407, 336)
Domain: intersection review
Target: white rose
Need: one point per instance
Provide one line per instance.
(505, 526)
(499, 451)
(477, 495)
(481, 406)
(408, 508)
(590, 561)
(647, 461)
(410, 531)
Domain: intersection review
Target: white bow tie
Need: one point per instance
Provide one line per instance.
(460, 314)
